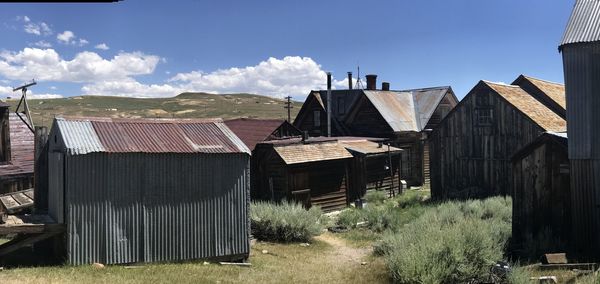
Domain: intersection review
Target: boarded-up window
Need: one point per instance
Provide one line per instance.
(317, 118)
(484, 116)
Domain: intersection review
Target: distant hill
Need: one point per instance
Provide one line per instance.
(185, 105)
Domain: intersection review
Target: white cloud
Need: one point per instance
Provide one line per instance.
(66, 37)
(47, 65)
(8, 92)
(292, 75)
(36, 28)
(44, 96)
(42, 44)
(102, 46)
(83, 42)
(130, 88)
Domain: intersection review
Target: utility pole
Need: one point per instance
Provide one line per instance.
(289, 107)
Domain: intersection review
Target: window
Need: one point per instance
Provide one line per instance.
(484, 117)
(341, 105)
(317, 118)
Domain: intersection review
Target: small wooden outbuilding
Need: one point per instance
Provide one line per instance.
(541, 194)
(312, 172)
(375, 166)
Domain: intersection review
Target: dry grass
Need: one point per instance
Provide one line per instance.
(186, 105)
(321, 262)
(563, 275)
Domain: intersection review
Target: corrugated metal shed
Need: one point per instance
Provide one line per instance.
(584, 23)
(89, 135)
(149, 190)
(22, 148)
(304, 153)
(531, 107)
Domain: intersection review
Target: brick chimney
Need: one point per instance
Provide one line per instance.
(385, 86)
(371, 82)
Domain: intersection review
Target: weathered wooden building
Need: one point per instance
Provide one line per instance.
(405, 118)
(375, 166)
(541, 194)
(580, 48)
(149, 190)
(471, 148)
(16, 152)
(313, 172)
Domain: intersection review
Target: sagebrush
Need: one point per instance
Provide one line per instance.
(285, 222)
(454, 242)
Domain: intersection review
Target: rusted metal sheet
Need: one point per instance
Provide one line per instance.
(123, 207)
(529, 106)
(584, 23)
(305, 153)
(427, 100)
(254, 131)
(22, 150)
(397, 108)
(89, 135)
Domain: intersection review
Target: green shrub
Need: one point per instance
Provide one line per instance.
(518, 275)
(374, 197)
(285, 222)
(348, 218)
(452, 243)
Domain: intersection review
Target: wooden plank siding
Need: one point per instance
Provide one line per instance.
(273, 179)
(541, 196)
(471, 158)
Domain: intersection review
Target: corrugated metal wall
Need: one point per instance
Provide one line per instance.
(582, 84)
(582, 87)
(134, 207)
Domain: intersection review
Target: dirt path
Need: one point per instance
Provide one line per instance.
(342, 251)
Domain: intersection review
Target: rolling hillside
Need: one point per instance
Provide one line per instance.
(185, 105)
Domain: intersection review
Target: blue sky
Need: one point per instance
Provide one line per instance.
(160, 48)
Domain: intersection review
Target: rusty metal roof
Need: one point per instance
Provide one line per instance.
(554, 91)
(529, 106)
(21, 147)
(88, 135)
(366, 147)
(253, 131)
(584, 23)
(397, 108)
(304, 153)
